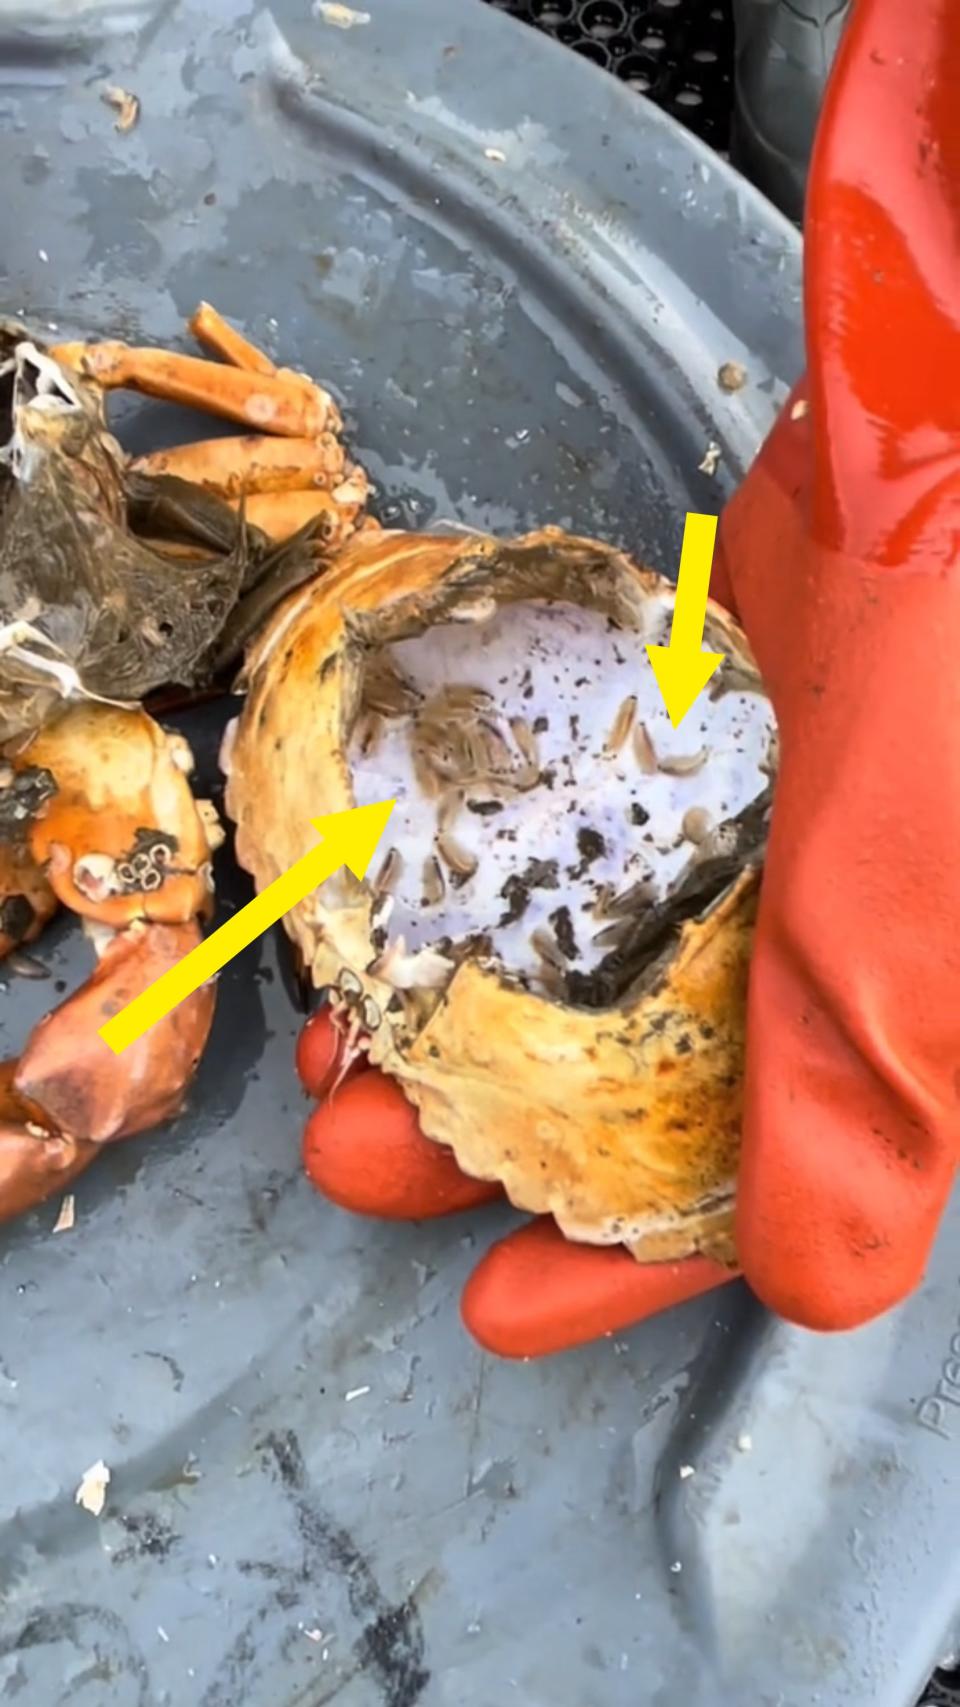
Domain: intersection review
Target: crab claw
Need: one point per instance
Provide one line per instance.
(34, 1162)
(78, 1085)
(98, 803)
(120, 835)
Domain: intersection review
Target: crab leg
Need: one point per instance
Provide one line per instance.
(213, 332)
(253, 463)
(35, 1160)
(217, 335)
(70, 1074)
(67, 1082)
(276, 403)
(282, 514)
(35, 1163)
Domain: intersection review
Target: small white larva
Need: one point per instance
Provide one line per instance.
(770, 763)
(387, 690)
(630, 900)
(601, 905)
(434, 887)
(546, 946)
(684, 764)
(525, 739)
(389, 873)
(367, 731)
(612, 936)
(621, 725)
(460, 862)
(448, 810)
(697, 824)
(458, 697)
(644, 751)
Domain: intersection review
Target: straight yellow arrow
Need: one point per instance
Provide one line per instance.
(682, 669)
(349, 838)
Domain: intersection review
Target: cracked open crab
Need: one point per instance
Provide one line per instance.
(550, 951)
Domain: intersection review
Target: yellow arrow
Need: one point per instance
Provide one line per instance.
(349, 838)
(681, 668)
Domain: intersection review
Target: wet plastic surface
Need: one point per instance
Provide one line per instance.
(320, 1488)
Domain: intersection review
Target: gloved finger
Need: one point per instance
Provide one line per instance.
(721, 585)
(363, 1149)
(787, 449)
(320, 1056)
(535, 1292)
(880, 276)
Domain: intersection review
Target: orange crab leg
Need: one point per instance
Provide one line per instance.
(34, 1162)
(213, 332)
(80, 1085)
(13, 1107)
(282, 514)
(253, 463)
(216, 334)
(69, 1094)
(275, 403)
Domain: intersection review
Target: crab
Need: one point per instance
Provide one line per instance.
(118, 577)
(551, 955)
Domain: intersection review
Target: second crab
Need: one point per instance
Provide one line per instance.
(118, 577)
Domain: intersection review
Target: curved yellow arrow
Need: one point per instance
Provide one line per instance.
(682, 669)
(349, 838)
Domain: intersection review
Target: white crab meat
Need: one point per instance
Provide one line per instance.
(593, 805)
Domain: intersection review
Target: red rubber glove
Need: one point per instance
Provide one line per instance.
(838, 554)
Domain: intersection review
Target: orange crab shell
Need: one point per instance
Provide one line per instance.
(623, 1122)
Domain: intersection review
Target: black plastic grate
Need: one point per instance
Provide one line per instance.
(679, 53)
(943, 1690)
